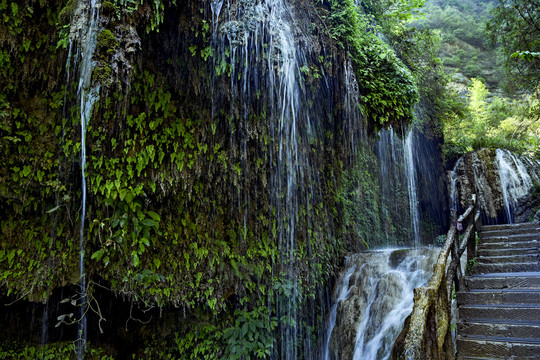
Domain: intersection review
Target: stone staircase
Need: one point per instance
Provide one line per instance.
(499, 313)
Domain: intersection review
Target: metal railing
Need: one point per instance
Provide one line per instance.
(427, 333)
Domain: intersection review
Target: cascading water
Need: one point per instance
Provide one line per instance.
(392, 176)
(352, 114)
(515, 180)
(373, 296)
(87, 94)
(254, 36)
(398, 169)
(408, 149)
(454, 200)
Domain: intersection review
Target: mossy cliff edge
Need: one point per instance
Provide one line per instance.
(188, 189)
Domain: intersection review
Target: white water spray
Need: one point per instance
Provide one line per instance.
(515, 180)
(257, 35)
(408, 150)
(454, 200)
(343, 293)
(374, 295)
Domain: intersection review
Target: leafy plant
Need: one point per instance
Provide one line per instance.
(250, 336)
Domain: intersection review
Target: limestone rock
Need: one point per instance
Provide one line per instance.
(501, 180)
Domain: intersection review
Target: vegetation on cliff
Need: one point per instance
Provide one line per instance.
(188, 192)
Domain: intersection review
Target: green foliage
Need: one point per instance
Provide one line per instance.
(205, 341)
(470, 266)
(478, 109)
(366, 214)
(387, 88)
(251, 336)
(514, 125)
(56, 351)
(64, 17)
(464, 47)
(239, 334)
(515, 27)
(393, 15)
(13, 16)
(121, 8)
(102, 74)
(33, 197)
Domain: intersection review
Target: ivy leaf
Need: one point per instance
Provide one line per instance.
(154, 215)
(228, 332)
(97, 255)
(148, 222)
(135, 258)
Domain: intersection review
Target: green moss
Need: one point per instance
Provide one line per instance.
(106, 42)
(108, 8)
(65, 15)
(102, 74)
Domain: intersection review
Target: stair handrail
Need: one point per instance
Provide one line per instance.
(427, 333)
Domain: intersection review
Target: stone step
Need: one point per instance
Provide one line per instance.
(521, 312)
(483, 268)
(517, 258)
(512, 238)
(487, 229)
(503, 281)
(486, 347)
(508, 252)
(510, 245)
(499, 296)
(501, 328)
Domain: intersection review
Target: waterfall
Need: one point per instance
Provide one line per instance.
(398, 167)
(87, 95)
(343, 293)
(352, 114)
(251, 37)
(391, 176)
(408, 150)
(373, 296)
(289, 163)
(515, 180)
(454, 200)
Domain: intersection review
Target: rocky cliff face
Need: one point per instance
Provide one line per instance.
(505, 184)
(192, 156)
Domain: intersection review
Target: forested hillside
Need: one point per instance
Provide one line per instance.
(490, 52)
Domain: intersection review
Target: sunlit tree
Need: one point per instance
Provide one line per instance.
(476, 123)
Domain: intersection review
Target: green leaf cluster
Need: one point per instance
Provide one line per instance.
(387, 87)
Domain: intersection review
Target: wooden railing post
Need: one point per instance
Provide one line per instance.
(471, 244)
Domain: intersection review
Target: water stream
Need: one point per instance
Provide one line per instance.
(87, 95)
(373, 296)
(399, 184)
(454, 195)
(251, 36)
(408, 149)
(515, 181)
